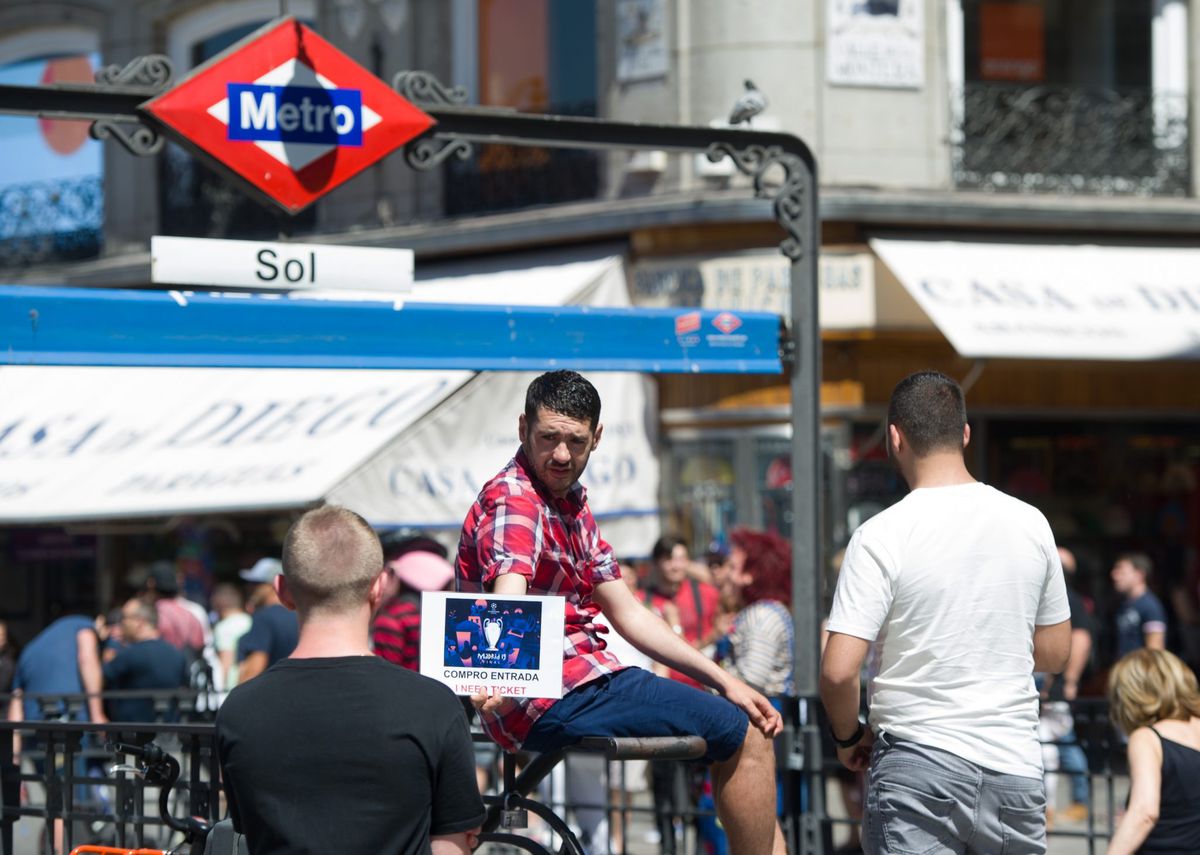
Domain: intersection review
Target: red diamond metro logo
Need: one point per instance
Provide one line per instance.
(288, 114)
(727, 322)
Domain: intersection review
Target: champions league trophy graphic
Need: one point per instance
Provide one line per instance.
(493, 627)
(491, 634)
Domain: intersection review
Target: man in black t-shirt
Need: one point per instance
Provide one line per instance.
(146, 662)
(336, 750)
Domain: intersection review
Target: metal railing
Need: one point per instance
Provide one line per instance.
(49, 221)
(63, 780)
(503, 177)
(1070, 139)
(61, 775)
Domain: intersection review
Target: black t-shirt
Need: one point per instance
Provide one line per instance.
(1080, 619)
(346, 754)
(150, 664)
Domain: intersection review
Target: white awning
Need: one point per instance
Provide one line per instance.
(428, 477)
(1039, 301)
(90, 443)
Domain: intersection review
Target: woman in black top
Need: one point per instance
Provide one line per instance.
(1154, 698)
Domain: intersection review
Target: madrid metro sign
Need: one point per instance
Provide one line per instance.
(288, 114)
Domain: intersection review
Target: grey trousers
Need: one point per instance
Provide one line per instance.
(922, 800)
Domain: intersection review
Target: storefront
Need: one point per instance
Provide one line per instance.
(1080, 365)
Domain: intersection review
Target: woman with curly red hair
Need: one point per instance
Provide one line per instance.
(761, 635)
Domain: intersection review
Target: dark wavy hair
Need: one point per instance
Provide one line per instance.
(768, 561)
(665, 545)
(564, 392)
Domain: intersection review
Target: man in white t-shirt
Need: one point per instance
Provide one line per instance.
(961, 590)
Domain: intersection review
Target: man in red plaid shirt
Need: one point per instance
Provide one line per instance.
(531, 532)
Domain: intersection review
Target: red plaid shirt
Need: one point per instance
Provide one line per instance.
(517, 526)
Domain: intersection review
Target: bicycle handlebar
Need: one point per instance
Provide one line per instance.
(162, 770)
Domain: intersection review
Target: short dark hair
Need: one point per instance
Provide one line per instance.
(665, 545)
(565, 392)
(929, 409)
(1140, 561)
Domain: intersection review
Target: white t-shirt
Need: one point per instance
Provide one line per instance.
(949, 584)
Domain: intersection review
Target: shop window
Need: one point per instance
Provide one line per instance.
(720, 481)
(52, 175)
(773, 468)
(536, 56)
(1073, 96)
(701, 505)
(194, 199)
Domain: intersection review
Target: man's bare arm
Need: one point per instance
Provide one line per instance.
(450, 844)
(1081, 651)
(1052, 647)
(225, 658)
(16, 712)
(253, 665)
(841, 666)
(650, 634)
(91, 675)
(1156, 640)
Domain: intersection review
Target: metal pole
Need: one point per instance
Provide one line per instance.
(806, 502)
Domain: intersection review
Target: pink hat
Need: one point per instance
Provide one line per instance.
(423, 571)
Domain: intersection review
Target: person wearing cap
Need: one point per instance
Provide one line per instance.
(396, 629)
(273, 628)
(333, 749)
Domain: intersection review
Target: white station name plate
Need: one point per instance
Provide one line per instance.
(278, 266)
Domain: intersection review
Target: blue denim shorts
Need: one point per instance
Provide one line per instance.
(634, 702)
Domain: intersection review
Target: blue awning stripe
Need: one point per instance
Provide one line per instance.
(75, 326)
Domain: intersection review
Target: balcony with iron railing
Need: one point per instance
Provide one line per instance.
(44, 221)
(1070, 140)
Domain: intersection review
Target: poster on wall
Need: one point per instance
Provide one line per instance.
(641, 40)
(878, 43)
(484, 644)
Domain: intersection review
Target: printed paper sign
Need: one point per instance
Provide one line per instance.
(493, 644)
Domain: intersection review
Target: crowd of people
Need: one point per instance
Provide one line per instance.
(955, 608)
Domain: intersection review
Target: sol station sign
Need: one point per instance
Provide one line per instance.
(287, 113)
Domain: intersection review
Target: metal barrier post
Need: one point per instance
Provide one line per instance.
(10, 792)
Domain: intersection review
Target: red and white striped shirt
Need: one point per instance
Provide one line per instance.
(517, 526)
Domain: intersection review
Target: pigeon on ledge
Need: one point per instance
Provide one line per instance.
(750, 104)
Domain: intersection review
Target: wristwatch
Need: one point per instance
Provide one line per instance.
(852, 740)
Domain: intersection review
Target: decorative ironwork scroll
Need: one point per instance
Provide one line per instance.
(421, 87)
(787, 197)
(431, 151)
(154, 70)
(141, 140)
